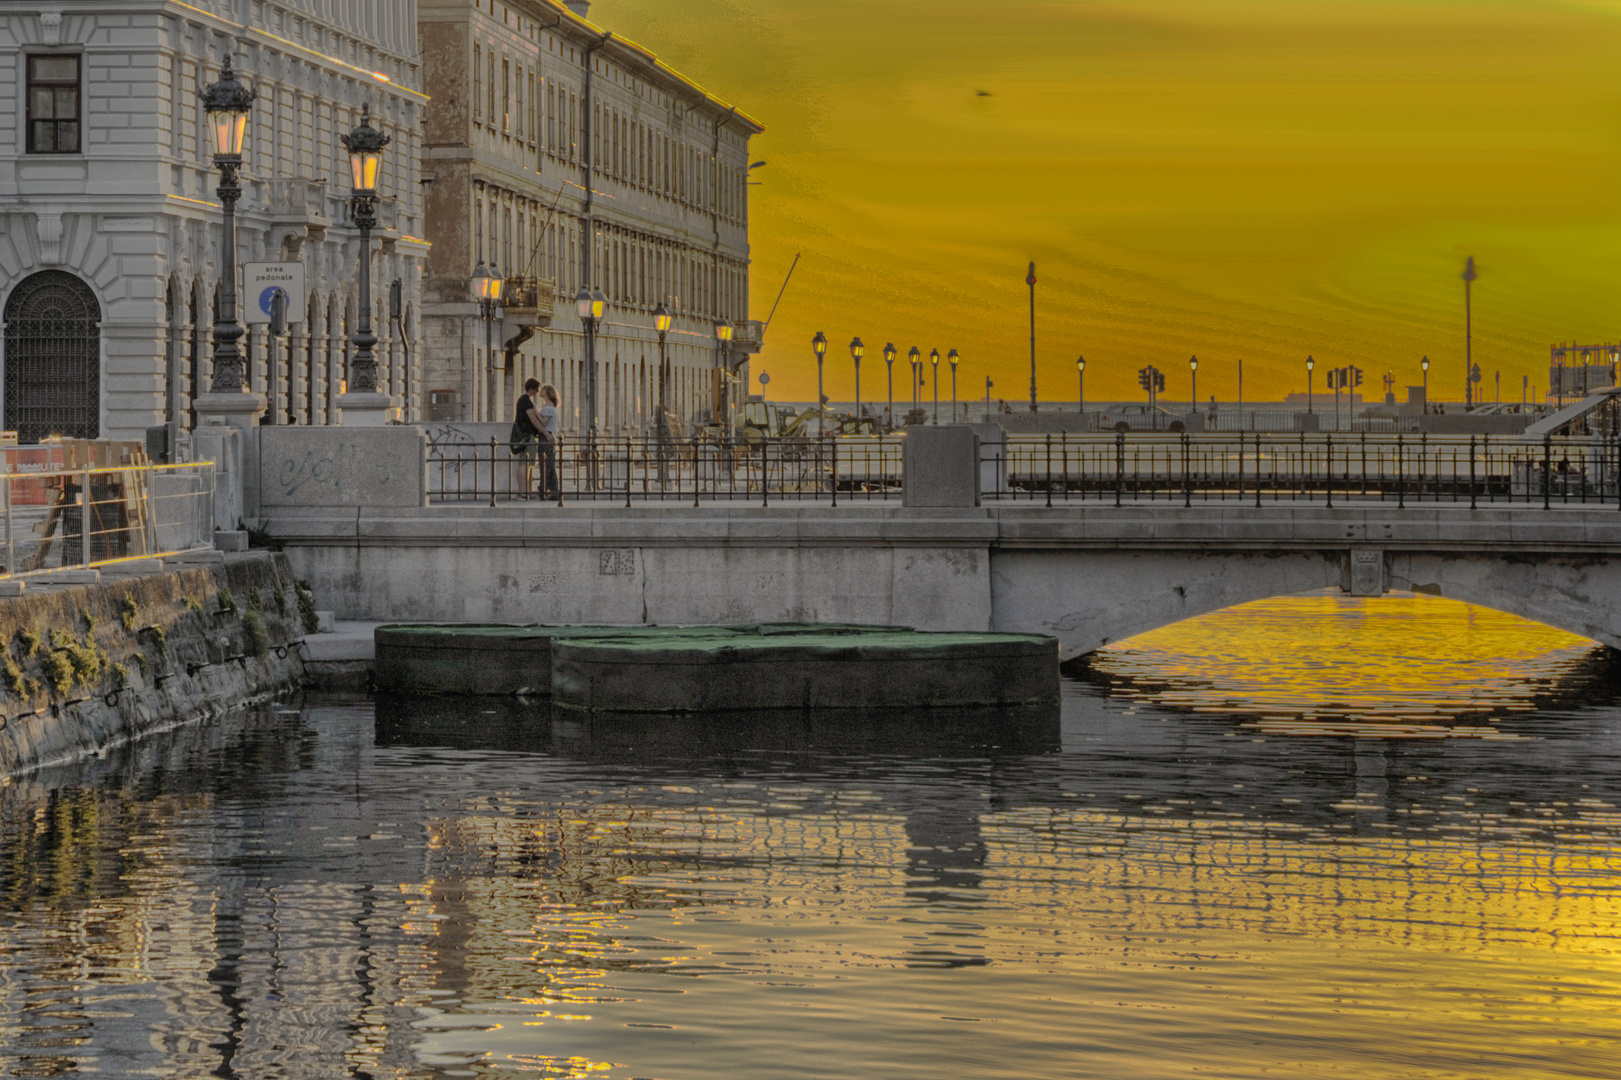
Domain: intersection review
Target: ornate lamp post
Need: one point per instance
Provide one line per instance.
(917, 373)
(590, 306)
(889, 369)
(856, 349)
(365, 145)
(819, 343)
(661, 323)
(1080, 382)
(723, 346)
(953, 357)
(1424, 363)
(934, 358)
(362, 404)
(1193, 369)
(228, 103)
(1310, 363)
(486, 285)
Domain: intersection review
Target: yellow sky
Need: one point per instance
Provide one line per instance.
(1255, 180)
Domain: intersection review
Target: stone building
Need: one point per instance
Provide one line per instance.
(566, 156)
(110, 229)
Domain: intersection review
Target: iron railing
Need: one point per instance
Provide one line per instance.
(627, 469)
(130, 511)
(1317, 467)
(1117, 468)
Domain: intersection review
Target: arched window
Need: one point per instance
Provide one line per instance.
(53, 358)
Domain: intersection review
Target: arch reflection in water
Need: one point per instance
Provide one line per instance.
(1326, 663)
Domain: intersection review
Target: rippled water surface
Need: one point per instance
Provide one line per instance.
(1313, 837)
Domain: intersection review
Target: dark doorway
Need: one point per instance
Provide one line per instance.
(53, 358)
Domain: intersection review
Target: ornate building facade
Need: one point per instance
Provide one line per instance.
(110, 229)
(566, 157)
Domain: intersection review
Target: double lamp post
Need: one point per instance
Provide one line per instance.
(228, 104)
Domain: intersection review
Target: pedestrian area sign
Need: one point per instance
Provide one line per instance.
(260, 281)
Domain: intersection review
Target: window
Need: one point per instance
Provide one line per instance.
(478, 83)
(521, 125)
(506, 97)
(53, 105)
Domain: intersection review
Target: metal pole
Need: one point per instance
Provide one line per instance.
(858, 395)
(937, 394)
(488, 312)
(1471, 472)
(1030, 280)
(227, 375)
(11, 542)
(889, 372)
(1468, 334)
(363, 368)
(84, 518)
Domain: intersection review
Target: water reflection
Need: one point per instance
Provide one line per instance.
(1147, 892)
(1326, 663)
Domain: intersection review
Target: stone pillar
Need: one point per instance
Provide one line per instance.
(940, 466)
(238, 408)
(365, 409)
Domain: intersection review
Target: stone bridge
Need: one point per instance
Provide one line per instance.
(1088, 573)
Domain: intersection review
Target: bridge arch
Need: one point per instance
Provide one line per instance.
(1088, 599)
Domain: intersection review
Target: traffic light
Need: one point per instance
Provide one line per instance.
(1144, 379)
(1356, 376)
(1159, 381)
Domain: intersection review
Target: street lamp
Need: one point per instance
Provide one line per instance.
(1080, 382)
(1424, 362)
(1310, 363)
(856, 349)
(953, 357)
(486, 288)
(819, 343)
(917, 374)
(365, 145)
(889, 369)
(589, 305)
(227, 104)
(723, 364)
(661, 323)
(934, 358)
(1193, 369)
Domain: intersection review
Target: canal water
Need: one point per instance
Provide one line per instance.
(1314, 836)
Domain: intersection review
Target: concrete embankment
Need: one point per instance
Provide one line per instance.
(90, 666)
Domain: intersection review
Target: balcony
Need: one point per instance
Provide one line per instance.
(528, 300)
(748, 336)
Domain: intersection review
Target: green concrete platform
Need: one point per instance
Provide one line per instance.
(503, 659)
(807, 670)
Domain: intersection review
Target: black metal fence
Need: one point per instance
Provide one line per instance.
(1317, 467)
(630, 469)
(1110, 468)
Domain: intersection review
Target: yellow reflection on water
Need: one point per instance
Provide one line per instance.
(1326, 663)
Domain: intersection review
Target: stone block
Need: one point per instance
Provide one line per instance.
(13, 587)
(187, 560)
(941, 467)
(342, 466)
(325, 622)
(231, 539)
(132, 568)
(78, 576)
